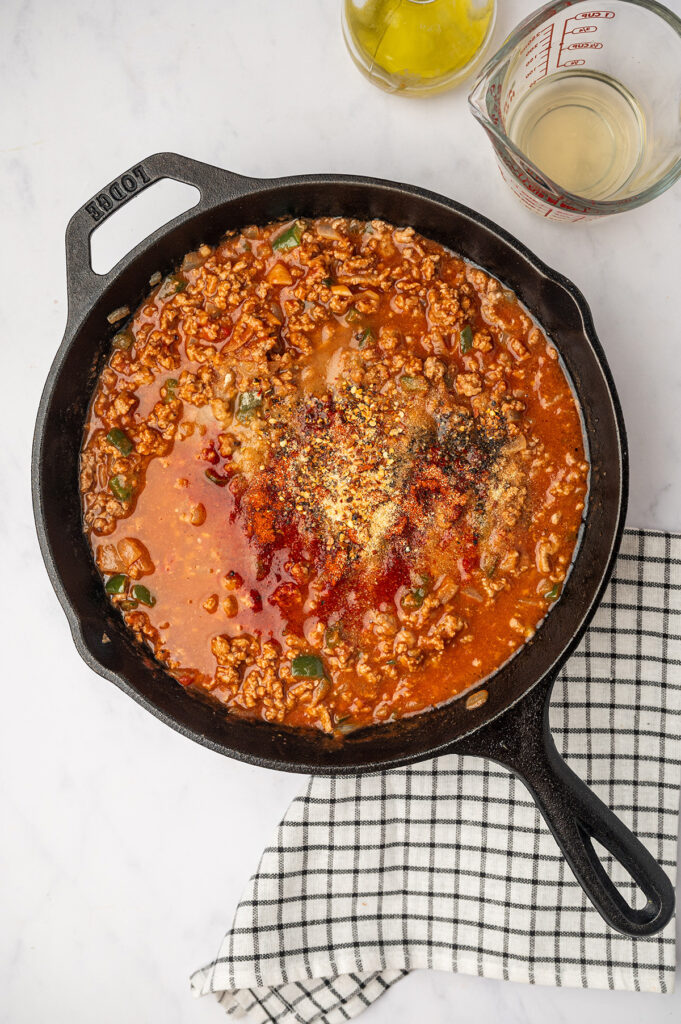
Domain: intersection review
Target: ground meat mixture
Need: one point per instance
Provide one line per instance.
(332, 474)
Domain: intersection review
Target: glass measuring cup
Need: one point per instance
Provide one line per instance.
(574, 74)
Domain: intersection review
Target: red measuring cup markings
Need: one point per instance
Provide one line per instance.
(573, 70)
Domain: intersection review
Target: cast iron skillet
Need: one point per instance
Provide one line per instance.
(512, 726)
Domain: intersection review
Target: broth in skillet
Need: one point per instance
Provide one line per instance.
(333, 474)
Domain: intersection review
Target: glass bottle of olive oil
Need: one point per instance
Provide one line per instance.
(417, 47)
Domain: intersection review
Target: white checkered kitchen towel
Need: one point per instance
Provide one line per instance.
(448, 865)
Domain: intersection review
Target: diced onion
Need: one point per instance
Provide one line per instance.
(327, 231)
(118, 314)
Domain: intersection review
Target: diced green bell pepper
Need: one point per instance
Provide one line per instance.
(288, 239)
(308, 666)
(248, 403)
(143, 595)
(119, 487)
(466, 339)
(117, 584)
(119, 439)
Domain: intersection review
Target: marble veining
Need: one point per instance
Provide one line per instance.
(125, 847)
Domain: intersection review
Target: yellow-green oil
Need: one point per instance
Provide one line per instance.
(417, 45)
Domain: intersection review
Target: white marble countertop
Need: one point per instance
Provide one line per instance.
(125, 847)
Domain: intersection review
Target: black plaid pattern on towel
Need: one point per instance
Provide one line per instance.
(448, 865)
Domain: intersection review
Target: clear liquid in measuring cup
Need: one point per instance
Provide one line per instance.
(583, 130)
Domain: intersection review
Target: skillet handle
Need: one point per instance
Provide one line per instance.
(521, 740)
(213, 183)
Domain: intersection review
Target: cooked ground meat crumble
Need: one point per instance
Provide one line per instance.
(333, 474)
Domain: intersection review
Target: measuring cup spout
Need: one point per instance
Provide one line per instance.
(484, 102)
(476, 100)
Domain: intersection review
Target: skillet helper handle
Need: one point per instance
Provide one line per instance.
(213, 183)
(521, 740)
